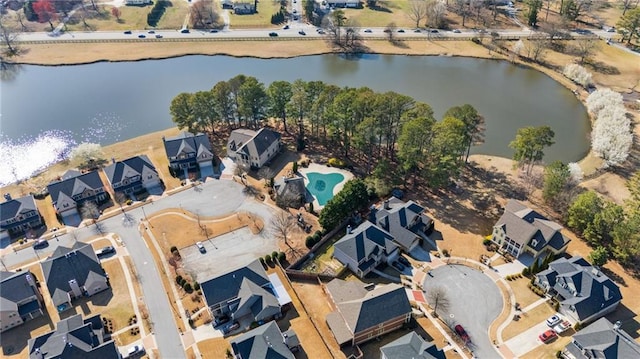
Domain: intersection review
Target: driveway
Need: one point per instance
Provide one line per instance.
(527, 340)
(475, 302)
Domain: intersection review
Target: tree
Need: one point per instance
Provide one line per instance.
(417, 11)
(439, 299)
(203, 15)
(474, 125)
(115, 11)
(299, 104)
(45, 11)
(352, 197)
(415, 140)
(583, 210)
(444, 155)
(436, 10)
(536, 47)
(532, 15)
(574, 9)
(602, 98)
(599, 256)
(181, 110)
(223, 101)
(279, 94)
(390, 30)
(8, 36)
(517, 48)
(629, 25)
(556, 178)
(530, 143)
(611, 137)
(86, 153)
(461, 8)
(626, 241)
(576, 173)
(633, 184)
(203, 108)
(282, 224)
(252, 101)
(578, 74)
(585, 48)
(599, 231)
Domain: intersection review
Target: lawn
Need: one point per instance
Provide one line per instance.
(524, 295)
(215, 348)
(392, 11)
(131, 18)
(528, 320)
(262, 18)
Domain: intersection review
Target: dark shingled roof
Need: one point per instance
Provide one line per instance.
(602, 340)
(227, 286)
(79, 262)
(263, 342)
(411, 346)
(252, 143)
(14, 288)
(187, 142)
(74, 184)
(74, 339)
(405, 221)
(365, 240)
(115, 171)
(13, 207)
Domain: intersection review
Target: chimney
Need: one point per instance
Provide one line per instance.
(38, 354)
(30, 280)
(7, 196)
(113, 160)
(617, 325)
(75, 288)
(349, 229)
(386, 204)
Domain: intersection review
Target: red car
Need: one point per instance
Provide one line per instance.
(462, 333)
(547, 336)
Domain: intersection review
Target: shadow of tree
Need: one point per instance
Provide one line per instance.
(601, 67)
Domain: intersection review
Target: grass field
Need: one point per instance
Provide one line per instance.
(262, 18)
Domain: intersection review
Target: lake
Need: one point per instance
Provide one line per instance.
(46, 110)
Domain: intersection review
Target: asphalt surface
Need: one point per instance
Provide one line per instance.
(475, 301)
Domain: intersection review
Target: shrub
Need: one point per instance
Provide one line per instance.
(309, 242)
(187, 287)
(282, 257)
(486, 242)
(476, 40)
(173, 249)
(262, 261)
(525, 272)
(267, 258)
(559, 354)
(445, 252)
(577, 326)
(196, 286)
(295, 166)
(577, 74)
(128, 202)
(336, 162)
(556, 306)
(311, 210)
(274, 255)
(179, 279)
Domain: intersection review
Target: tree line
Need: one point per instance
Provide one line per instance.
(359, 123)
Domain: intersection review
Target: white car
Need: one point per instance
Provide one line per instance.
(553, 320)
(562, 327)
(201, 247)
(135, 350)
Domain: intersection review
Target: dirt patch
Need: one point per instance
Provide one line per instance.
(524, 295)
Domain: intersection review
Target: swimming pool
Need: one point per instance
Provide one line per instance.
(321, 185)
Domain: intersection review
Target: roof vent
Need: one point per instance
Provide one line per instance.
(7, 196)
(534, 242)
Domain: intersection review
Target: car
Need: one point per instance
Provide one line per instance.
(141, 36)
(285, 27)
(434, 31)
(295, 11)
(201, 247)
(611, 29)
(401, 30)
(213, 31)
(127, 32)
(151, 32)
(135, 350)
(273, 34)
(158, 36)
(462, 333)
(398, 266)
(547, 336)
(104, 251)
(562, 327)
(301, 32)
(417, 30)
(553, 320)
(368, 30)
(184, 31)
(456, 31)
(40, 243)
(386, 31)
(231, 327)
(404, 261)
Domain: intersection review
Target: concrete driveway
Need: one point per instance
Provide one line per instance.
(475, 302)
(527, 340)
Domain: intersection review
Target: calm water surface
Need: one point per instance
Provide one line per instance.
(110, 102)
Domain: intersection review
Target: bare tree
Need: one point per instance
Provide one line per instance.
(439, 299)
(536, 47)
(8, 36)
(461, 8)
(282, 224)
(266, 173)
(203, 14)
(89, 210)
(20, 19)
(241, 172)
(585, 48)
(436, 10)
(390, 30)
(120, 198)
(417, 11)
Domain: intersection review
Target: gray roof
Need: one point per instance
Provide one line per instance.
(74, 338)
(602, 340)
(252, 143)
(188, 143)
(365, 240)
(580, 285)
(115, 172)
(375, 307)
(74, 184)
(343, 291)
(291, 188)
(405, 221)
(12, 208)
(522, 225)
(14, 288)
(78, 262)
(263, 342)
(227, 286)
(255, 300)
(411, 346)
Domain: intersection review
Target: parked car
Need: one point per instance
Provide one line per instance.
(40, 243)
(547, 336)
(285, 27)
(562, 327)
(135, 351)
(214, 31)
(404, 261)
(201, 247)
(141, 36)
(462, 333)
(184, 31)
(231, 327)
(127, 32)
(301, 32)
(553, 320)
(398, 266)
(273, 34)
(104, 251)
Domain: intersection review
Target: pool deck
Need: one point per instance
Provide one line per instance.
(318, 168)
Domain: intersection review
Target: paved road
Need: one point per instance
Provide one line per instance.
(475, 302)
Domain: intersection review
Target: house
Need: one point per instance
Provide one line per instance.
(253, 149)
(19, 215)
(364, 248)
(74, 189)
(405, 221)
(242, 292)
(361, 314)
(344, 3)
(265, 342)
(602, 340)
(20, 299)
(226, 4)
(75, 338)
(73, 272)
(243, 8)
(133, 175)
(411, 346)
(291, 192)
(521, 230)
(137, 2)
(189, 152)
(584, 292)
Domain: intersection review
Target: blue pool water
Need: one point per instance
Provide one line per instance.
(321, 185)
